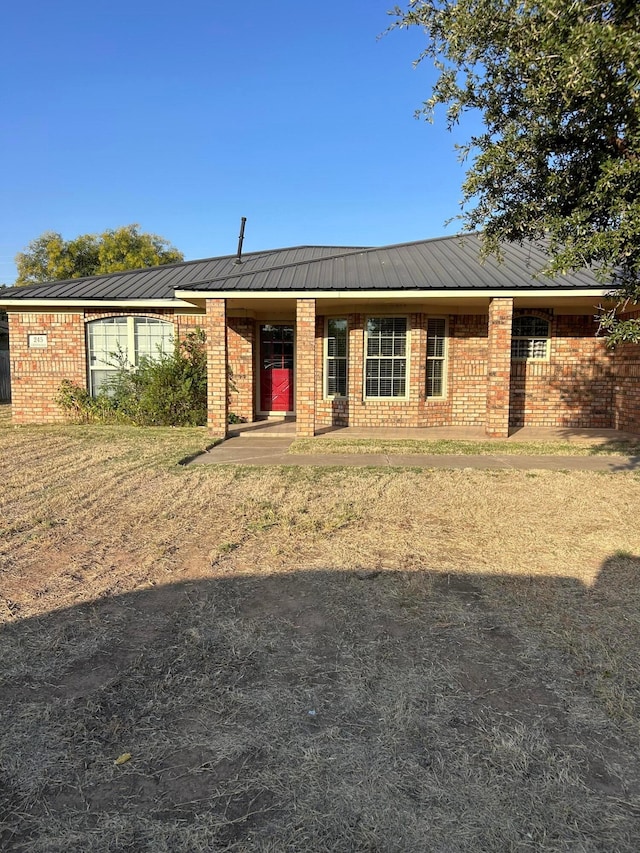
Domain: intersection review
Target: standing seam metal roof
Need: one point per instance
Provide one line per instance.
(449, 263)
(161, 282)
(444, 263)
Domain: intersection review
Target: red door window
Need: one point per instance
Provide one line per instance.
(276, 368)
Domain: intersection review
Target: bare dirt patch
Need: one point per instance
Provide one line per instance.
(312, 660)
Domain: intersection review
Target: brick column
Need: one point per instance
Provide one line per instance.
(305, 368)
(499, 367)
(216, 331)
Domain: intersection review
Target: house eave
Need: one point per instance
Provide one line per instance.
(67, 304)
(394, 295)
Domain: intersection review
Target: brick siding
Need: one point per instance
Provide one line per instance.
(241, 336)
(582, 384)
(36, 373)
(574, 387)
(464, 402)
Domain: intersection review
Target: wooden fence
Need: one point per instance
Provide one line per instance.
(5, 376)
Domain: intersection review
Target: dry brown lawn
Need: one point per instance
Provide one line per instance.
(312, 659)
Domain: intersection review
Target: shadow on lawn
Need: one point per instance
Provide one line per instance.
(328, 711)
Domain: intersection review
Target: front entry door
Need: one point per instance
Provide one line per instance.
(276, 368)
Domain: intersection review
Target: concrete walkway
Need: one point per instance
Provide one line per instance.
(240, 450)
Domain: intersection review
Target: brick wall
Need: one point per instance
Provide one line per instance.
(36, 373)
(581, 385)
(241, 334)
(574, 387)
(463, 404)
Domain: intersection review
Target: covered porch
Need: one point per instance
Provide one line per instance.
(272, 354)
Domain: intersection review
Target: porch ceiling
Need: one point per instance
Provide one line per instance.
(433, 304)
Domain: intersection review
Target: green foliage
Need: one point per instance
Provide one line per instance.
(557, 85)
(81, 407)
(170, 390)
(51, 258)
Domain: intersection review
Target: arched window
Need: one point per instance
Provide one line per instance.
(123, 341)
(530, 338)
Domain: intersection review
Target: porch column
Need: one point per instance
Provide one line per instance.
(216, 331)
(305, 368)
(499, 367)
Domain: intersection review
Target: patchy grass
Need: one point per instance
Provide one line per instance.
(440, 447)
(301, 659)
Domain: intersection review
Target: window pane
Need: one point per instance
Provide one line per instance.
(538, 349)
(99, 378)
(337, 337)
(337, 378)
(530, 327)
(519, 348)
(152, 337)
(373, 347)
(336, 360)
(435, 338)
(399, 346)
(385, 372)
(435, 373)
(387, 326)
(385, 378)
(108, 342)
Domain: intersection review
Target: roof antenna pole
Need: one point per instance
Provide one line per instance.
(243, 221)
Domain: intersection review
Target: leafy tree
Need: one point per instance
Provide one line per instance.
(557, 86)
(51, 258)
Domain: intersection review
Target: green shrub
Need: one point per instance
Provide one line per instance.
(170, 390)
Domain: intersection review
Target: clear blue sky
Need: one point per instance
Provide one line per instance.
(185, 116)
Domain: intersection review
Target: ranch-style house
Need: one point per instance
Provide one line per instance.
(411, 335)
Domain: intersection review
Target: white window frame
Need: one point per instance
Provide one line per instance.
(532, 340)
(406, 357)
(444, 359)
(131, 349)
(326, 358)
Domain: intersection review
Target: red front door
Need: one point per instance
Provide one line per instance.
(276, 368)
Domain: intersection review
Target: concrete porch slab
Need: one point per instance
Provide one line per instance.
(286, 428)
(470, 433)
